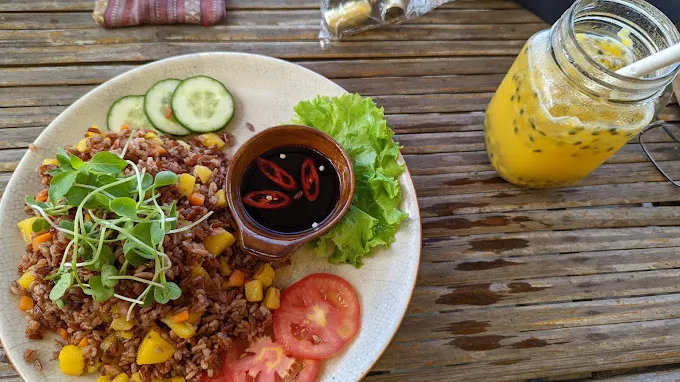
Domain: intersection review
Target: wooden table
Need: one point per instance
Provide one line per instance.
(514, 284)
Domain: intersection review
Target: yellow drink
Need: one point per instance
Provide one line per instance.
(542, 131)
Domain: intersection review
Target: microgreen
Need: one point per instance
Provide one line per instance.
(109, 207)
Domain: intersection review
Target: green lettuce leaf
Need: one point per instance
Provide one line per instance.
(360, 128)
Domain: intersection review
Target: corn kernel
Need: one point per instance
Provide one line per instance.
(102, 378)
(26, 279)
(225, 269)
(221, 198)
(125, 334)
(136, 377)
(91, 369)
(176, 379)
(272, 298)
(254, 291)
(265, 274)
(153, 138)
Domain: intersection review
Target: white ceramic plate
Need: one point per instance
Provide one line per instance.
(265, 91)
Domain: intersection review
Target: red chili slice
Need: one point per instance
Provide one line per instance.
(276, 174)
(267, 199)
(310, 180)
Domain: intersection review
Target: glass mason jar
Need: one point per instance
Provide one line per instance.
(561, 110)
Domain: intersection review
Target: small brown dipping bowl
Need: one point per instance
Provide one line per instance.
(259, 240)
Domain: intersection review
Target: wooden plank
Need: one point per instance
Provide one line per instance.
(9, 159)
(221, 33)
(29, 116)
(525, 221)
(484, 247)
(434, 103)
(502, 269)
(41, 95)
(288, 50)
(422, 85)
(544, 290)
(542, 353)
(532, 199)
(654, 376)
(61, 75)
(19, 137)
(490, 181)
(504, 320)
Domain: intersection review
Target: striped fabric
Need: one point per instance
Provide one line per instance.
(125, 13)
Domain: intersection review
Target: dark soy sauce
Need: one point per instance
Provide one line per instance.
(301, 214)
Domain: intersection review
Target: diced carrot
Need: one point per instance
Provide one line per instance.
(124, 126)
(41, 239)
(42, 196)
(83, 342)
(161, 150)
(196, 199)
(237, 278)
(25, 303)
(181, 316)
(63, 333)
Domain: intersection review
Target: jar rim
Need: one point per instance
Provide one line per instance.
(652, 13)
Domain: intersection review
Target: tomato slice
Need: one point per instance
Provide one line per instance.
(276, 174)
(310, 367)
(267, 199)
(318, 316)
(310, 180)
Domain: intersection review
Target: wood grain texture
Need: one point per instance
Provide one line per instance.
(578, 282)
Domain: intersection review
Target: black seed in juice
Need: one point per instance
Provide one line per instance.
(600, 52)
(512, 97)
(573, 132)
(537, 150)
(613, 131)
(574, 155)
(541, 132)
(533, 125)
(577, 143)
(535, 95)
(610, 149)
(595, 133)
(518, 98)
(521, 111)
(516, 130)
(586, 147)
(301, 213)
(531, 138)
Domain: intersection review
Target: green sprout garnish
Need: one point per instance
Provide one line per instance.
(110, 207)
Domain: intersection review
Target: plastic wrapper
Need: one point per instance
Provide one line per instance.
(344, 17)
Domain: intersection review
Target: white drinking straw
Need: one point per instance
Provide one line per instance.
(652, 63)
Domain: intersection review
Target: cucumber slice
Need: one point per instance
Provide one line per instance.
(128, 110)
(157, 107)
(202, 104)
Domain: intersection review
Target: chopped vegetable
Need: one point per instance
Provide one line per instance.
(199, 271)
(107, 342)
(83, 342)
(221, 198)
(218, 242)
(268, 362)
(186, 184)
(225, 269)
(120, 323)
(126, 113)
(26, 228)
(102, 378)
(211, 140)
(25, 303)
(360, 128)
(26, 279)
(265, 274)
(310, 180)
(276, 174)
(237, 278)
(176, 379)
(93, 368)
(81, 145)
(125, 334)
(202, 104)
(42, 196)
(154, 349)
(254, 291)
(203, 173)
(44, 238)
(153, 138)
(63, 333)
(71, 360)
(136, 377)
(267, 199)
(181, 316)
(183, 329)
(122, 377)
(196, 199)
(50, 161)
(272, 298)
(157, 107)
